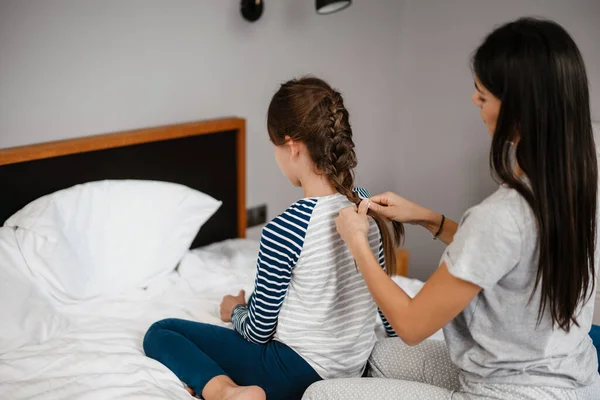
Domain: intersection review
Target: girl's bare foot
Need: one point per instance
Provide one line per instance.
(191, 392)
(223, 388)
(246, 393)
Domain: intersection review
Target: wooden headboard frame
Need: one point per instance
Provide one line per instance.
(69, 147)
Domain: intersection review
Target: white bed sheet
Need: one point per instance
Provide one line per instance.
(100, 355)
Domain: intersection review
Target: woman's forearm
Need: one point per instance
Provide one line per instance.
(441, 299)
(431, 221)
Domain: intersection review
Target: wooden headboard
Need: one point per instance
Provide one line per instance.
(208, 156)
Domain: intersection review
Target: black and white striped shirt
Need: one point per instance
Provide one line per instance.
(308, 292)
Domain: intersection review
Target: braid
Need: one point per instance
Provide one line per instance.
(341, 157)
(309, 110)
(341, 163)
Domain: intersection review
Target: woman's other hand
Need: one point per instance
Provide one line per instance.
(229, 303)
(397, 208)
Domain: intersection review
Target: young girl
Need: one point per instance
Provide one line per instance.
(311, 316)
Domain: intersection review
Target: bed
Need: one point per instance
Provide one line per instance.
(97, 352)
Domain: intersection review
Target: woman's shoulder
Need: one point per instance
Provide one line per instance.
(505, 207)
(504, 198)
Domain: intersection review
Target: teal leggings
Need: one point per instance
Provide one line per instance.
(198, 352)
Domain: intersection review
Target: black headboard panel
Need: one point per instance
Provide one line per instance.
(211, 162)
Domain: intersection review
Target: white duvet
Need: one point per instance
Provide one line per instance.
(99, 355)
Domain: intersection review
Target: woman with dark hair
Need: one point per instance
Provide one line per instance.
(515, 288)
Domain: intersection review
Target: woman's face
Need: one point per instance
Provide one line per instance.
(488, 104)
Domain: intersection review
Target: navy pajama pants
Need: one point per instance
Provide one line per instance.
(198, 352)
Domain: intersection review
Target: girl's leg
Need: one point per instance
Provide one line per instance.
(170, 342)
(428, 362)
(198, 353)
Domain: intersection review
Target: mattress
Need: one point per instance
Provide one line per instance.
(99, 355)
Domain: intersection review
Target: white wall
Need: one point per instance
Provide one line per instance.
(77, 67)
(70, 68)
(440, 151)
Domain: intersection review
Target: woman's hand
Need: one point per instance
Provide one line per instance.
(397, 208)
(229, 303)
(353, 225)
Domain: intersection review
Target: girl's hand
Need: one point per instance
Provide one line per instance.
(229, 303)
(353, 225)
(397, 208)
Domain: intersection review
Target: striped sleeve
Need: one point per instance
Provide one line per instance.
(280, 246)
(364, 194)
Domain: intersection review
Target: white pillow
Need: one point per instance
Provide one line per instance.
(26, 313)
(101, 237)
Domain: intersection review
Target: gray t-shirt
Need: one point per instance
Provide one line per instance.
(496, 339)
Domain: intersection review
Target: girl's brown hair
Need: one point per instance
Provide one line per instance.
(310, 111)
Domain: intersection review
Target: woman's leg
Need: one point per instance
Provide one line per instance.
(428, 362)
(426, 372)
(420, 372)
(197, 353)
(374, 388)
(378, 388)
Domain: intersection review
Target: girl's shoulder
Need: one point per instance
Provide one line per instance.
(362, 192)
(296, 216)
(301, 211)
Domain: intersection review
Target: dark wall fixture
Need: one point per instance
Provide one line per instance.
(252, 9)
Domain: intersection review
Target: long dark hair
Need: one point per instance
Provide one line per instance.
(310, 111)
(535, 68)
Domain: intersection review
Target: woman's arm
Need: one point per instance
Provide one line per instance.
(397, 208)
(432, 221)
(442, 298)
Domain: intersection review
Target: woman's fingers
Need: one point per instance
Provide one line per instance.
(381, 199)
(397, 208)
(381, 204)
(376, 207)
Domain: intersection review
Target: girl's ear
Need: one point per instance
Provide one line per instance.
(293, 146)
